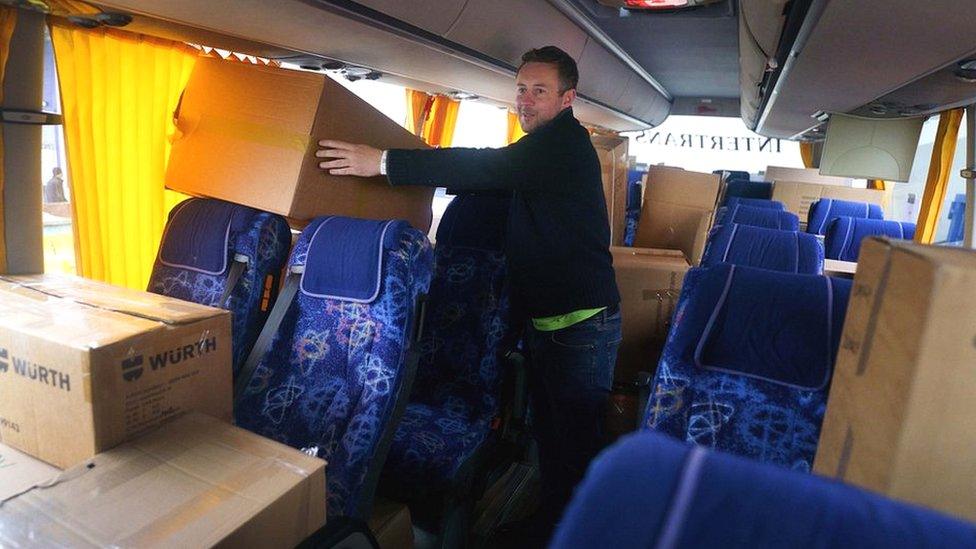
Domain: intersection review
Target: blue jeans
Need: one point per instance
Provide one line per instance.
(570, 376)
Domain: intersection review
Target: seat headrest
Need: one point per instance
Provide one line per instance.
(745, 188)
(198, 235)
(825, 210)
(475, 221)
(845, 234)
(344, 257)
(785, 251)
(779, 327)
(767, 217)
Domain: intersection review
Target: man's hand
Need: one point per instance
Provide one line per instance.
(349, 158)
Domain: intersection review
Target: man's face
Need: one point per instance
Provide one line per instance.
(537, 99)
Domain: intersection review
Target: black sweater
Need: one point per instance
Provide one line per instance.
(558, 231)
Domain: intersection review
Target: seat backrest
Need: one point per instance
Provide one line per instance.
(844, 235)
(786, 251)
(825, 210)
(204, 242)
(337, 373)
(733, 201)
(467, 311)
(743, 188)
(768, 216)
(747, 364)
(649, 491)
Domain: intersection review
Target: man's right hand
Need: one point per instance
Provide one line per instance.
(349, 158)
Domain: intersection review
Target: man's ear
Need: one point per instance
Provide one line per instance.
(569, 97)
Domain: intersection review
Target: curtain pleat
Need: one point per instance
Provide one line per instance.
(8, 21)
(943, 152)
(118, 94)
(439, 130)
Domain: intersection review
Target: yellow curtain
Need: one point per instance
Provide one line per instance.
(118, 94)
(8, 20)
(439, 129)
(806, 153)
(878, 184)
(943, 151)
(418, 109)
(515, 131)
(432, 117)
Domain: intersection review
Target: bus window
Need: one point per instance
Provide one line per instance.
(59, 249)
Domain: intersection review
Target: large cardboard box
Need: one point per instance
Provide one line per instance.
(612, 152)
(798, 197)
(678, 209)
(649, 282)
(194, 482)
(248, 134)
(804, 175)
(20, 472)
(901, 418)
(85, 366)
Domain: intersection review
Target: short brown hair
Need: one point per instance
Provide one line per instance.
(565, 65)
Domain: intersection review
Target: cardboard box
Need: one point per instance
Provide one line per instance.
(845, 269)
(85, 366)
(649, 282)
(901, 418)
(612, 152)
(391, 524)
(798, 197)
(804, 175)
(20, 472)
(678, 209)
(194, 482)
(248, 134)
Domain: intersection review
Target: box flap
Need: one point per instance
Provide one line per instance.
(108, 297)
(962, 258)
(682, 187)
(192, 483)
(20, 472)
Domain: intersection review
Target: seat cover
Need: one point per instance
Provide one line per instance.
(825, 210)
(845, 234)
(337, 373)
(749, 246)
(746, 366)
(650, 491)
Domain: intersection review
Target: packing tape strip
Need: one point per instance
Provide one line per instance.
(245, 130)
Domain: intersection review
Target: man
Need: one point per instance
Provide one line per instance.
(560, 267)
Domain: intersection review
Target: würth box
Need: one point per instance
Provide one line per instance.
(85, 366)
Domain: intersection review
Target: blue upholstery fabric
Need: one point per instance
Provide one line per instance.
(648, 491)
(844, 235)
(768, 216)
(335, 370)
(733, 201)
(825, 210)
(786, 251)
(201, 239)
(743, 188)
(747, 363)
(634, 178)
(457, 391)
(630, 230)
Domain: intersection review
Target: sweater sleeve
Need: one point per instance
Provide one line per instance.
(515, 167)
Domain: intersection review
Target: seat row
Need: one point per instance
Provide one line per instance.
(380, 354)
(732, 416)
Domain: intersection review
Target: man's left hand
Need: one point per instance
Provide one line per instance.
(349, 158)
